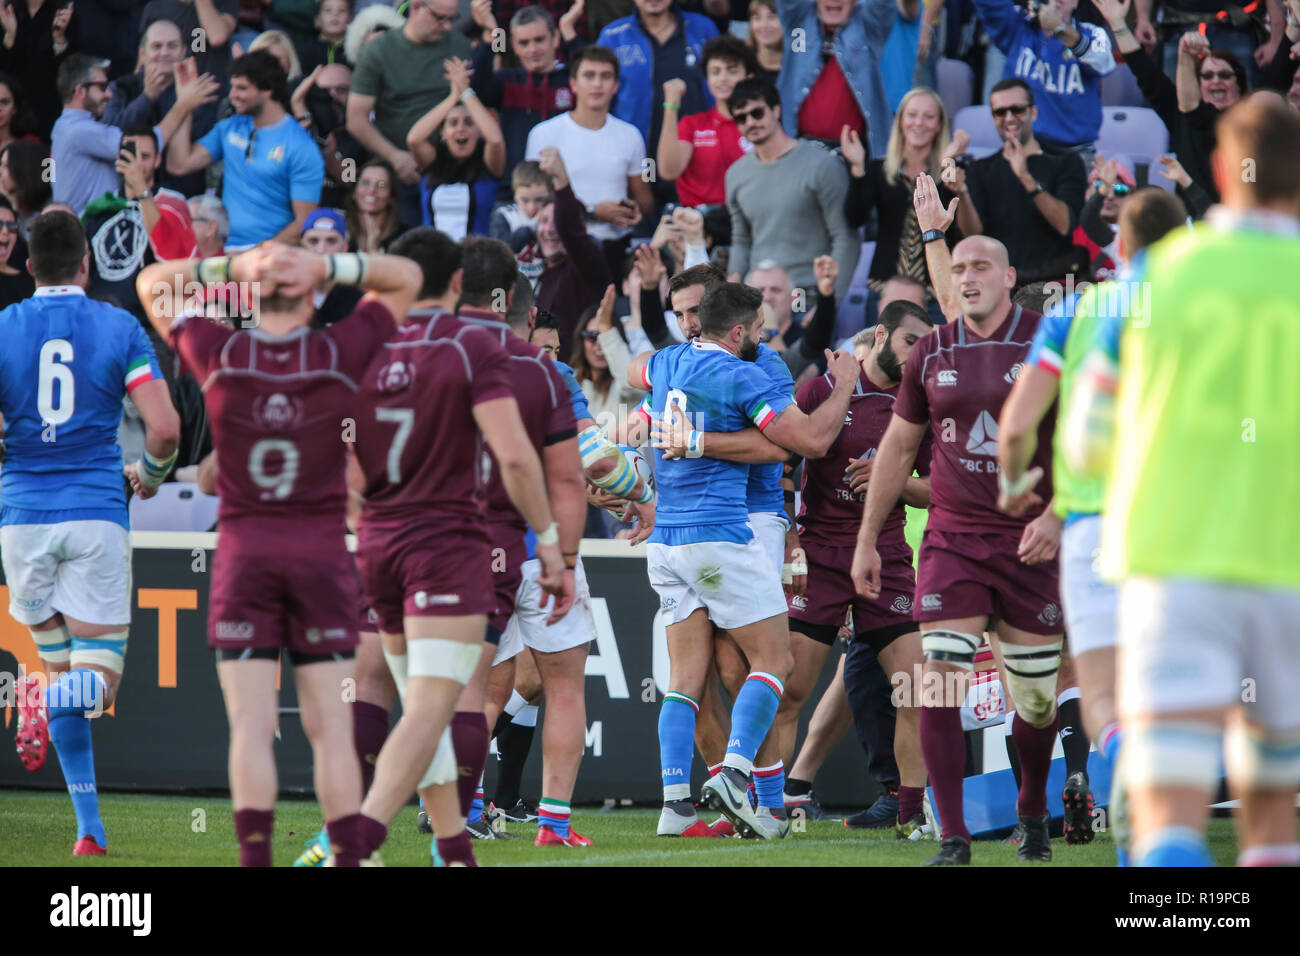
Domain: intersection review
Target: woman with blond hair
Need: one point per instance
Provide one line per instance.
(917, 141)
(281, 47)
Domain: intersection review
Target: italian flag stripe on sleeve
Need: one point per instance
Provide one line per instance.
(137, 373)
(762, 415)
(1050, 361)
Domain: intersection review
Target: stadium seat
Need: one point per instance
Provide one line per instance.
(177, 506)
(978, 122)
(1120, 88)
(956, 81)
(1134, 130)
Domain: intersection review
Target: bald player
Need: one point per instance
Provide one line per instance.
(976, 562)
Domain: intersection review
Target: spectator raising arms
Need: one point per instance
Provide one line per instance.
(459, 147)
(535, 90)
(766, 39)
(698, 150)
(273, 171)
(599, 360)
(1060, 59)
(1209, 81)
(833, 78)
(35, 43)
(371, 209)
(605, 157)
(786, 197)
(400, 77)
(918, 139)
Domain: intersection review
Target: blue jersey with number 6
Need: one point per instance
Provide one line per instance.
(718, 392)
(65, 363)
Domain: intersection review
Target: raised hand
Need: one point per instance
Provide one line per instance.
(826, 270)
(930, 213)
(458, 74)
(855, 154)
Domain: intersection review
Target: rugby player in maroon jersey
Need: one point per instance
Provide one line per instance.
(278, 396)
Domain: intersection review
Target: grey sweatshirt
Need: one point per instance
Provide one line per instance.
(792, 211)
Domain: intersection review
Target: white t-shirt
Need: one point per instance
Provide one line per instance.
(598, 161)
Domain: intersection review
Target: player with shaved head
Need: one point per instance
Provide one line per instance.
(977, 563)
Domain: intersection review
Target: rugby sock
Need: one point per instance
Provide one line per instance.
(475, 812)
(714, 768)
(253, 828)
(677, 744)
(67, 701)
(1009, 742)
(554, 815)
(369, 731)
(1173, 846)
(514, 741)
(769, 783)
(513, 706)
(457, 850)
(469, 739)
(1034, 746)
(347, 840)
(1108, 745)
(943, 745)
(1074, 739)
(909, 802)
(1281, 854)
(751, 719)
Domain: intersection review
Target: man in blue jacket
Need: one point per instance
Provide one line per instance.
(830, 77)
(1063, 62)
(656, 44)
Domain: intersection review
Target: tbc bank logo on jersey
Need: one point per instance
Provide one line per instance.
(277, 412)
(984, 436)
(948, 376)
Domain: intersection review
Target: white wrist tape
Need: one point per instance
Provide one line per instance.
(213, 269)
(436, 657)
(798, 566)
(694, 445)
(549, 537)
(153, 471)
(347, 268)
(1017, 487)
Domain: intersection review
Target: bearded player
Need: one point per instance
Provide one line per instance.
(976, 562)
(278, 394)
(704, 560)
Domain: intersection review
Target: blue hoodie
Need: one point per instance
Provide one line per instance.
(1066, 83)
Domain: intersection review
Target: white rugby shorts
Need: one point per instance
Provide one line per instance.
(1189, 645)
(78, 568)
(1091, 603)
(736, 583)
(770, 530)
(528, 627)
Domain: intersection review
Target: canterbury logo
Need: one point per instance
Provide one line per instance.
(931, 602)
(948, 376)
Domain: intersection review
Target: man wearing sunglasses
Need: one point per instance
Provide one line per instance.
(1025, 198)
(400, 77)
(84, 149)
(1060, 58)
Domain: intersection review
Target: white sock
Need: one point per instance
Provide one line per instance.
(527, 716)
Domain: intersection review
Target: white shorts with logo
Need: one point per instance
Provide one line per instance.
(78, 568)
(770, 530)
(1188, 645)
(528, 627)
(736, 583)
(1091, 603)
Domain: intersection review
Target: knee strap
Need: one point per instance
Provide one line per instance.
(1031, 679)
(1172, 754)
(107, 651)
(1258, 759)
(437, 657)
(952, 647)
(53, 645)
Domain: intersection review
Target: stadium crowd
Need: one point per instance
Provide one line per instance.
(850, 172)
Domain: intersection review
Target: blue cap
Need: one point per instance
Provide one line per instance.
(331, 220)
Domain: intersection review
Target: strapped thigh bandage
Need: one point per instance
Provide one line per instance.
(952, 647)
(436, 657)
(107, 651)
(397, 666)
(1172, 754)
(54, 645)
(1260, 760)
(1031, 679)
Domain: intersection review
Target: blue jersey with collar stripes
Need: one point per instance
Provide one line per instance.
(66, 364)
(706, 497)
(764, 494)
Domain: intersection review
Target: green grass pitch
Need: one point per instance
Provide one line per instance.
(37, 829)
